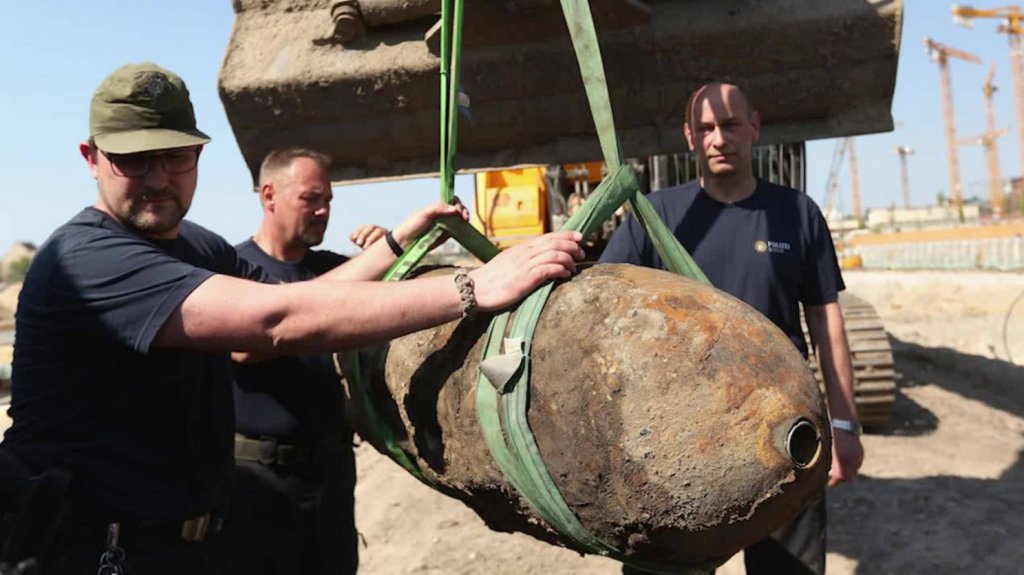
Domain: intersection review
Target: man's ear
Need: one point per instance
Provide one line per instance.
(89, 155)
(755, 121)
(267, 196)
(688, 134)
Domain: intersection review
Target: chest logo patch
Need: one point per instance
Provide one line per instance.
(768, 246)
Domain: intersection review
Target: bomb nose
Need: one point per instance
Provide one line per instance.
(803, 443)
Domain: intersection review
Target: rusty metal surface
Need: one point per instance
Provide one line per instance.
(662, 418)
(814, 68)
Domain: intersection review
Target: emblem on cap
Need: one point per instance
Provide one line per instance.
(155, 84)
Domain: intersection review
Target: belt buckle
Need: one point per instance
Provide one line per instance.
(267, 452)
(194, 530)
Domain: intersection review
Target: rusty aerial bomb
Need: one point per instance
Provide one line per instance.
(678, 423)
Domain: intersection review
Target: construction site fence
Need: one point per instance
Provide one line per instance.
(1003, 254)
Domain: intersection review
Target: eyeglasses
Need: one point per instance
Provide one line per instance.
(138, 165)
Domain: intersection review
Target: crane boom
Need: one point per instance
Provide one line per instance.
(1011, 17)
(854, 181)
(995, 179)
(989, 140)
(832, 183)
(941, 53)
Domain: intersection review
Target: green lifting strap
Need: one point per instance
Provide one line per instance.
(478, 244)
(502, 389)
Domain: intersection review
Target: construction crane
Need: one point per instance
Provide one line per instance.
(832, 183)
(854, 182)
(941, 54)
(903, 152)
(1011, 26)
(989, 141)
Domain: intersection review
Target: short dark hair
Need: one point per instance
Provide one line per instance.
(282, 158)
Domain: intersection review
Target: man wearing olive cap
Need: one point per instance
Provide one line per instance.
(129, 312)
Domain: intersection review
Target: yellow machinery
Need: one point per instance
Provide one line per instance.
(515, 204)
(511, 205)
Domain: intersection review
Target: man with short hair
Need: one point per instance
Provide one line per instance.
(769, 246)
(129, 312)
(292, 509)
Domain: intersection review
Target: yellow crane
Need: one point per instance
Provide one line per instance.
(989, 140)
(855, 182)
(1011, 26)
(832, 183)
(903, 152)
(941, 54)
(845, 146)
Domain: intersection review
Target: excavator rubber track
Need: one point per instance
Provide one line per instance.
(874, 371)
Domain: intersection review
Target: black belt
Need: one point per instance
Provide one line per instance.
(269, 451)
(193, 530)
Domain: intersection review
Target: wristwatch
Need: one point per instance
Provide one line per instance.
(852, 427)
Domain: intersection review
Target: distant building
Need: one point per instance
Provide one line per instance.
(883, 218)
(18, 252)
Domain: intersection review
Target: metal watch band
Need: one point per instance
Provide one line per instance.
(466, 294)
(396, 248)
(848, 426)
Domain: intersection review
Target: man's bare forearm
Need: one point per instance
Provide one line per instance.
(371, 265)
(828, 336)
(228, 314)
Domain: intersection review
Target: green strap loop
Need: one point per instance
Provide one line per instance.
(378, 430)
(675, 256)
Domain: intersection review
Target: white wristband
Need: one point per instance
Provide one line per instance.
(853, 427)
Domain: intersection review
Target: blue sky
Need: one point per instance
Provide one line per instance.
(55, 53)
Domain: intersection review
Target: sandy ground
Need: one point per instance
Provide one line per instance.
(941, 491)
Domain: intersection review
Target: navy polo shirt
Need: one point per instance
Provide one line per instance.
(147, 432)
(297, 399)
(771, 250)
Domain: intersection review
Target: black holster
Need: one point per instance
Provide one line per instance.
(32, 510)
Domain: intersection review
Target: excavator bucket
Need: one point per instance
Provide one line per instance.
(359, 79)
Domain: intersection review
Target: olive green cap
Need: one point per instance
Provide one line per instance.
(142, 107)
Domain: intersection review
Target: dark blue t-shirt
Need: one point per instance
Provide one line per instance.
(298, 399)
(771, 250)
(147, 432)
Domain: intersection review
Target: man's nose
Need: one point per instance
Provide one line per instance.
(157, 177)
(718, 137)
(322, 210)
